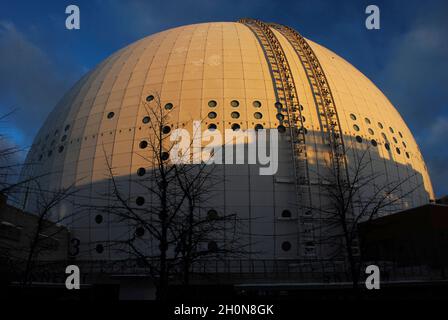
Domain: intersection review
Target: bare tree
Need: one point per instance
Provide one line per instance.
(171, 227)
(354, 193)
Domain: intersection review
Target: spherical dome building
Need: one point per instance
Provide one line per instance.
(250, 74)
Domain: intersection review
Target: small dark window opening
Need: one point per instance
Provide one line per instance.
(166, 129)
(387, 146)
(139, 231)
(169, 106)
(212, 214)
(235, 127)
(235, 115)
(212, 103)
(373, 142)
(60, 149)
(286, 214)
(150, 98)
(140, 201)
(98, 218)
(212, 127)
(110, 115)
(212, 115)
(258, 127)
(358, 139)
(99, 248)
(256, 104)
(281, 128)
(234, 103)
(141, 172)
(143, 144)
(212, 246)
(286, 246)
(146, 119)
(164, 156)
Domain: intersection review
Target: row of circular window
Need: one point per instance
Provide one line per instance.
(380, 125)
(373, 141)
(211, 245)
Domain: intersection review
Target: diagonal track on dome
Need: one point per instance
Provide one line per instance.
(328, 115)
(288, 105)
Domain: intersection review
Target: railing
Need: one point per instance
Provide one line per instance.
(289, 107)
(262, 270)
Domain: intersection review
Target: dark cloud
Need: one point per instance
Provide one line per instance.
(414, 78)
(29, 83)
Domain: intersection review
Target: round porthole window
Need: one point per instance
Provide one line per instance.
(380, 125)
(387, 146)
(355, 127)
(280, 116)
(373, 142)
(256, 104)
(391, 129)
(212, 214)
(234, 103)
(235, 115)
(212, 115)
(286, 214)
(110, 115)
(278, 105)
(212, 103)
(146, 119)
(398, 150)
(140, 201)
(367, 120)
(99, 248)
(358, 139)
(165, 156)
(98, 218)
(371, 131)
(212, 127)
(235, 127)
(166, 129)
(281, 129)
(141, 172)
(352, 116)
(258, 115)
(143, 144)
(139, 232)
(212, 246)
(286, 245)
(169, 106)
(149, 98)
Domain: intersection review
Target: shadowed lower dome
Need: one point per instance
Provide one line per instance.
(232, 70)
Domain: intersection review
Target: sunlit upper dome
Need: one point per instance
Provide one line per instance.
(222, 67)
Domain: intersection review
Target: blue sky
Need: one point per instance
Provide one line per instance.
(407, 58)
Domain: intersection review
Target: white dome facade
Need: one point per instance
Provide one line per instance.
(224, 61)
